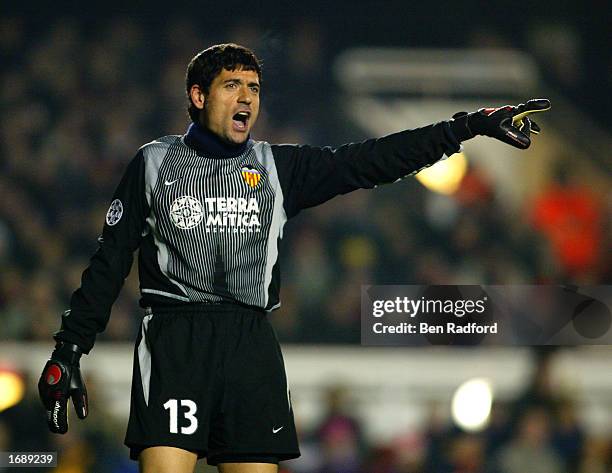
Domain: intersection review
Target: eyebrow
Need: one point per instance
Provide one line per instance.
(239, 81)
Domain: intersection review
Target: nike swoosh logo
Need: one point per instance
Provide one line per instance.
(274, 431)
(169, 183)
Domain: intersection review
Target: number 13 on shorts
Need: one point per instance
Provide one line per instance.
(172, 405)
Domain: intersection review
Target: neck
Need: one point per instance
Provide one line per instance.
(208, 144)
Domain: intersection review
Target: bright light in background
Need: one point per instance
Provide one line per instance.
(471, 404)
(444, 176)
(12, 389)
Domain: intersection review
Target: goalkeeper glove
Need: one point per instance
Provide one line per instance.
(510, 124)
(61, 379)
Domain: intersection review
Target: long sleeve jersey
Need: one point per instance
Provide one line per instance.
(207, 218)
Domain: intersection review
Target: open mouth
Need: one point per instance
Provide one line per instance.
(241, 120)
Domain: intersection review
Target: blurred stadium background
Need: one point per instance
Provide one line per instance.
(83, 87)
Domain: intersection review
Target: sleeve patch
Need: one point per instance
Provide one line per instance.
(115, 212)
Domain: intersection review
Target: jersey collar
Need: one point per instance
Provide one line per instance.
(207, 144)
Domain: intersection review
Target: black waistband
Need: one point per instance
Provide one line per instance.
(202, 307)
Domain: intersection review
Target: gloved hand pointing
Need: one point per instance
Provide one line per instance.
(510, 124)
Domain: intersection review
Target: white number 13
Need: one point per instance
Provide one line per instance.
(172, 404)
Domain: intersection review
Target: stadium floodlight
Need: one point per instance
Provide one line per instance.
(471, 405)
(12, 389)
(444, 176)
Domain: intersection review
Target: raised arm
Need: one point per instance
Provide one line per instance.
(310, 176)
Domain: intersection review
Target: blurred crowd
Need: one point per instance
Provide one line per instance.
(537, 432)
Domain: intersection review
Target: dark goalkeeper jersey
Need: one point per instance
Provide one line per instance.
(208, 218)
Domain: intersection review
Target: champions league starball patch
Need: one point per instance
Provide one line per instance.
(186, 212)
(115, 212)
(251, 176)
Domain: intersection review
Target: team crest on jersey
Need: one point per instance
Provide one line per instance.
(251, 176)
(186, 212)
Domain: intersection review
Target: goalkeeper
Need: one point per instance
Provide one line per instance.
(206, 210)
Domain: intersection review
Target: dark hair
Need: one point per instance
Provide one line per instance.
(207, 64)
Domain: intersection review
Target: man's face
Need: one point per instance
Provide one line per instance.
(231, 106)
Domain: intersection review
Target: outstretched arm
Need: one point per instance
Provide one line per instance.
(310, 176)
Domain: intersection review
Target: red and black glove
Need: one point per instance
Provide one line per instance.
(510, 124)
(60, 380)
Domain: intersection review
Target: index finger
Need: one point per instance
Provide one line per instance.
(532, 106)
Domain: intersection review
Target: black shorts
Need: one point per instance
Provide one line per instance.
(210, 378)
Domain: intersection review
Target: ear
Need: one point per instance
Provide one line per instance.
(197, 96)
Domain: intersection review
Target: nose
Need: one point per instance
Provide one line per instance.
(244, 96)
